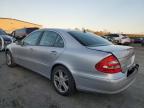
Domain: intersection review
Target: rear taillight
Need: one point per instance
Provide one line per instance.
(109, 64)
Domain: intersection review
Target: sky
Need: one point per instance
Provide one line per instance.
(110, 15)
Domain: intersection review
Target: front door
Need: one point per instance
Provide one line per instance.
(24, 52)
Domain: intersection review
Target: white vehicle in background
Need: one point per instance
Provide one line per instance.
(120, 38)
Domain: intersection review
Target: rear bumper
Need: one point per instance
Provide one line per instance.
(107, 85)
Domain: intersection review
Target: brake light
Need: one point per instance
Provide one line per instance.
(109, 64)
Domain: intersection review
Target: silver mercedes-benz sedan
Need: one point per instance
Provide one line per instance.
(75, 60)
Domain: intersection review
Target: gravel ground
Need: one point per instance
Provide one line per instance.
(22, 88)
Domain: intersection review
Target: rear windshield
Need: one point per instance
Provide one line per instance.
(2, 32)
(89, 39)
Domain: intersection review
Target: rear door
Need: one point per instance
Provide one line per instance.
(50, 47)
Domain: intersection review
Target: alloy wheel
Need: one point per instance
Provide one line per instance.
(61, 81)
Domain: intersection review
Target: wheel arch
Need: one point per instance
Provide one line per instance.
(61, 64)
(7, 50)
(58, 64)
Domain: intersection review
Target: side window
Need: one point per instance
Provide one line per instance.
(59, 42)
(48, 38)
(115, 35)
(33, 38)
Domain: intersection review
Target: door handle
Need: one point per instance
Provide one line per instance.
(54, 52)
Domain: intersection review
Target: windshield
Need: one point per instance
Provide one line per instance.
(89, 39)
(2, 32)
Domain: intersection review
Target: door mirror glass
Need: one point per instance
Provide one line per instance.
(20, 43)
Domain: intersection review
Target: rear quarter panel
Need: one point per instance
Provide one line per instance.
(81, 61)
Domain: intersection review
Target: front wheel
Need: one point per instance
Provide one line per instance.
(63, 81)
(9, 59)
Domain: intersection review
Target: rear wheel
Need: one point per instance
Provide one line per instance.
(63, 81)
(9, 59)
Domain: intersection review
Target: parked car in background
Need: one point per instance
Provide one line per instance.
(142, 42)
(75, 60)
(4, 39)
(120, 38)
(2, 32)
(108, 38)
(111, 39)
(138, 40)
(22, 33)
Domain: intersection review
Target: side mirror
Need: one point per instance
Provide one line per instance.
(21, 43)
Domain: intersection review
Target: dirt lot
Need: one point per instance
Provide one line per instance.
(21, 88)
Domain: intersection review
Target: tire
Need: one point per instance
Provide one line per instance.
(9, 59)
(63, 81)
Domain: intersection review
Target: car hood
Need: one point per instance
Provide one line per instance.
(6, 37)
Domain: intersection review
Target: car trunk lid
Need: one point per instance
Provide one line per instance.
(124, 54)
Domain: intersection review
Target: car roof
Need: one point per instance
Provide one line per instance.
(58, 29)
